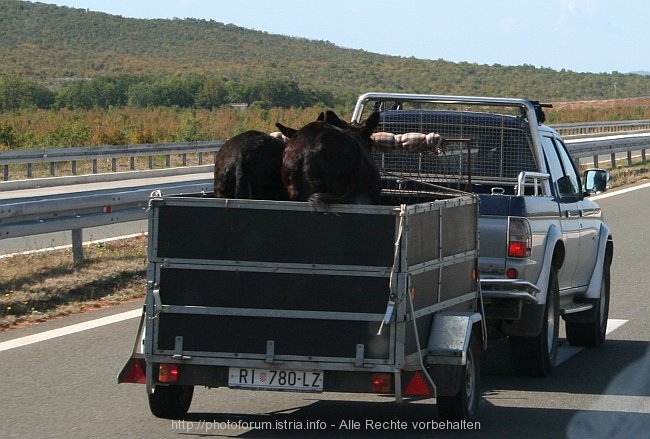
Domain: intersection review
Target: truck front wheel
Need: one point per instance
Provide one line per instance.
(535, 356)
(463, 406)
(171, 401)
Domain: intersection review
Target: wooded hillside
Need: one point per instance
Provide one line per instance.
(54, 45)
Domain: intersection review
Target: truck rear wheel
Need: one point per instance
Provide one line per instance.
(171, 401)
(535, 356)
(592, 334)
(463, 406)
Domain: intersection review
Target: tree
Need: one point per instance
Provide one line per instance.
(17, 93)
(212, 94)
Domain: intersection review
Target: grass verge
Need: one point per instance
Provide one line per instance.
(40, 286)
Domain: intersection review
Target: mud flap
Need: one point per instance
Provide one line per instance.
(449, 341)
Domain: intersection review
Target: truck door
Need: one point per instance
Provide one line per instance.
(566, 187)
(590, 219)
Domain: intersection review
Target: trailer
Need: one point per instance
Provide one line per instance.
(289, 296)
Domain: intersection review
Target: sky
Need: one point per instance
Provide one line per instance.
(599, 36)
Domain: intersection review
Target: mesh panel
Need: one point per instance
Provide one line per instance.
(476, 144)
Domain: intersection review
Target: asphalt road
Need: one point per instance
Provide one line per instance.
(66, 386)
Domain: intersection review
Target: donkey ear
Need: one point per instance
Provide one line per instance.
(370, 124)
(332, 119)
(321, 117)
(373, 121)
(288, 132)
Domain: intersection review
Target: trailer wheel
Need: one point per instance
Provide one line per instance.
(536, 356)
(592, 334)
(171, 401)
(463, 406)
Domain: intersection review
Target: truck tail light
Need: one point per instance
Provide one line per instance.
(519, 238)
(168, 373)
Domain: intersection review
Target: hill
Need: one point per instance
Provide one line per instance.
(53, 45)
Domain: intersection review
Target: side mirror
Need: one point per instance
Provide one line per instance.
(596, 181)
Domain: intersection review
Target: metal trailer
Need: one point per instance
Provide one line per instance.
(288, 296)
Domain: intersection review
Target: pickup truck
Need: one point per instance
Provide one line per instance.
(545, 251)
(290, 296)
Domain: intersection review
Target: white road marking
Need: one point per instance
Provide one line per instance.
(565, 351)
(614, 324)
(620, 191)
(67, 330)
(568, 401)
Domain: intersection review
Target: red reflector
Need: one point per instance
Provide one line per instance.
(417, 386)
(382, 383)
(108, 209)
(511, 273)
(517, 249)
(133, 372)
(168, 373)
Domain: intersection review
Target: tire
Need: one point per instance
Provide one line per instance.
(592, 334)
(171, 401)
(463, 406)
(536, 356)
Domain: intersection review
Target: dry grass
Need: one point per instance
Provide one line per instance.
(38, 287)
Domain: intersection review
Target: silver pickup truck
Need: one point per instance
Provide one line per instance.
(545, 251)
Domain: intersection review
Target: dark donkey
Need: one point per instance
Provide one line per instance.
(329, 161)
(248, 166)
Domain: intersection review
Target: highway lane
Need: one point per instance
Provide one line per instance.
(66, 386)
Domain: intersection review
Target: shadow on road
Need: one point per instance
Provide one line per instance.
(613, 380)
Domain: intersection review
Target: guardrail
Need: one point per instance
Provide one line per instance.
(582, 128)
(77, 212)
(23, 218)
(73, 155)
(613, 145)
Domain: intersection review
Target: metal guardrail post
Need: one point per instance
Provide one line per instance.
(77, 246)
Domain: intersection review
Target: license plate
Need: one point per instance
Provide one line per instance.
(270, 379)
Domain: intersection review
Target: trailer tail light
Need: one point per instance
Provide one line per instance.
(417, 386)
(133, 372)
(168, 373)
(519, 238)
(382, 383)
